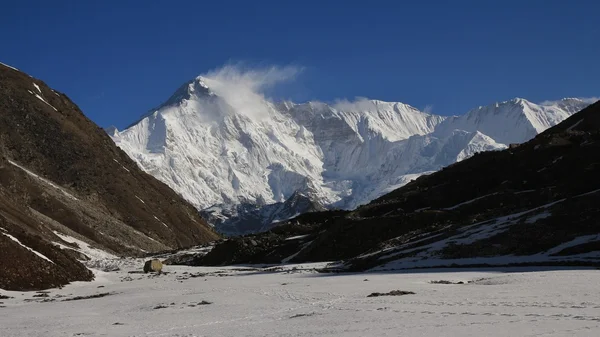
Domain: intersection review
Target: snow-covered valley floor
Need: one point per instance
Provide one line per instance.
(300, 302)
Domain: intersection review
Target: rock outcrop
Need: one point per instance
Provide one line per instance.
(153, 265)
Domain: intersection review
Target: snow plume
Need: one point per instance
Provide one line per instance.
(428, 109)
(243, 88)
(588, 100)
(359, 104)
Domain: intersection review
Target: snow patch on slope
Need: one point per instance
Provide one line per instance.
(46, 181)
(24, 246)
(6, 65)
(411, 255)
(98, 260)
(84, 248)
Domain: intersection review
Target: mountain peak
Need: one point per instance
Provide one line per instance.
(519, 100)
(201, 81)
(515, 102)
(512, 121)
(111, 130)
(196, 87)
(190, 89)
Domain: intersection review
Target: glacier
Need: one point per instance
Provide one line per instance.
(230, 150)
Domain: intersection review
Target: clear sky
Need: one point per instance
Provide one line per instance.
(117, 59)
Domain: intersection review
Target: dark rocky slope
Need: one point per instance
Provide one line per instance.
(59, 172)
(246, 218)
(537, 202)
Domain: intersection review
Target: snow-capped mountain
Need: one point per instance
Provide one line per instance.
(219, 147)
(513, 121)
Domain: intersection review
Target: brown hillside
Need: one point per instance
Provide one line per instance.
(61, 172)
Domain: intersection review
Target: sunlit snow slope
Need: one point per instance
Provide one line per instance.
(217, 141)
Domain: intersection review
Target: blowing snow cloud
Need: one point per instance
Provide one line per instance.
(243, 88)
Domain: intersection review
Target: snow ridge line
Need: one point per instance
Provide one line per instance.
(24, 246)
(43, 180)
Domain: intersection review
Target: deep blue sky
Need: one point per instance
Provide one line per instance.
(117, 59)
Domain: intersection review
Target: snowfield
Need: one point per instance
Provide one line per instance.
(295, 300)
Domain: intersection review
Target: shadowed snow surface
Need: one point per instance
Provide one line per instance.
(296, 301)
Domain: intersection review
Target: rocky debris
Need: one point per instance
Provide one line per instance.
(305, 315)
(78, 298)
(200, 303)
(392, 293)
(154, 266)
(186, 256)
(247, 218)
(270, 247)
(446, 282)
(182, 259)
(250, 249)
(183, 305)
(193, 275)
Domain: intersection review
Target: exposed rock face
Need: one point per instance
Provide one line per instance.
(154, 266)
(535, 203)
(59, 172)
(249, 218)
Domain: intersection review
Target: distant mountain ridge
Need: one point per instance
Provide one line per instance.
(218, 152)
(536, 203)
(519, 119)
